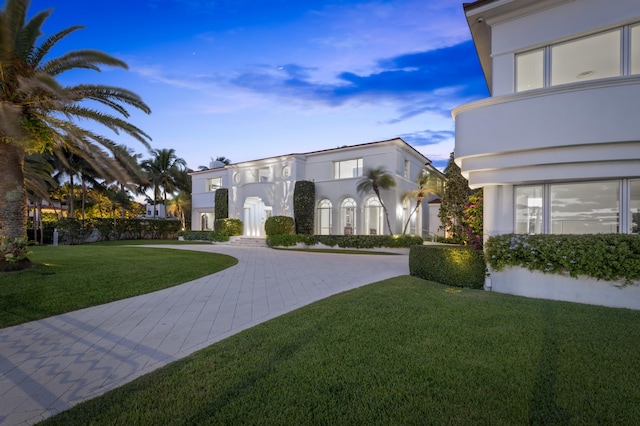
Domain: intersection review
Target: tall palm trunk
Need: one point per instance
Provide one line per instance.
(404, 231)
(13, 195)
(84, 197)
(384, 208)
(72, 197)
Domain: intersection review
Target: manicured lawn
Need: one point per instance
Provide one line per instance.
(402, 351)
(74, 277)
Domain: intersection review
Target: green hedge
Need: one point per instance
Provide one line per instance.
(346, 241)
(455, 266)
(228, 226)
(609, 257)
(203, 236)
(221, 203)
(279, 225)
(304, 199)
(73, 231)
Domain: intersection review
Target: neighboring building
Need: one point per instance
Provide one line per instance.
(557, 146)
(262, 188)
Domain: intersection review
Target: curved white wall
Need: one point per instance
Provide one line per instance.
(578, 131)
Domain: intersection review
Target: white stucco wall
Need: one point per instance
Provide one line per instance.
(522, 282)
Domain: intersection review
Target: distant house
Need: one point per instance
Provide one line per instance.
(262, 188)
(557, 145)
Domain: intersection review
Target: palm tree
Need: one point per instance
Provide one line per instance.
(375, 180)
(426, 187)
(164, 172)
(38, 114)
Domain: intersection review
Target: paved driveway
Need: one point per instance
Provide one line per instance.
(47, 366)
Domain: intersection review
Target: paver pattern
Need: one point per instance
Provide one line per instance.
(48, 366)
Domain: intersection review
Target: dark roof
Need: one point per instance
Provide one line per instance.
(475, 3)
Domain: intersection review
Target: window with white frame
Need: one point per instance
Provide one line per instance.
(578, 207)
(348, 215)
(596, 56)
(347, 168)
(214, 183)
(528, 209)
(324, 212)
(373, 217)
(634, 206)
(407, 169)
(635, 49)
(264, 174)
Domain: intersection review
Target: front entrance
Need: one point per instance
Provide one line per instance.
(255, 214)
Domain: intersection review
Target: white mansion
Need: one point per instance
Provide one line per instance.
(262, 188)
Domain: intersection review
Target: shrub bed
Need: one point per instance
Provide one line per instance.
(229, 226)
(346, 241)
(203, 236)
(455, 266)
(609, 257)
(279, 225)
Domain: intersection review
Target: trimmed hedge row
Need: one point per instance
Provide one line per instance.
(72, 231)
(203, 236)
(346, 241)
(609, 257)
(456, 266)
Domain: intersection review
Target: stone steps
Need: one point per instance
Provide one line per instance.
(248, 242)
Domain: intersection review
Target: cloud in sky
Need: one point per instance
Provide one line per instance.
(242, 78)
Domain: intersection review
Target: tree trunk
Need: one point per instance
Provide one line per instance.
(404, 231)
(13, 196)
(72, 198)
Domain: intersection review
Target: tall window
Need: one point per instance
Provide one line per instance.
(587, 58)
(634, 206)
(347, 169)
(324, 211)
(407, 169)
(348, 215)
(213, 184)
(373, 216)
(529, 209)
(635, 49)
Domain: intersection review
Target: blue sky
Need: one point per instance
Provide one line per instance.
(249, 79)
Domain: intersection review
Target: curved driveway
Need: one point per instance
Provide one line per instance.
(47, 366)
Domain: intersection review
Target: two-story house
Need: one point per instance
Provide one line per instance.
(557, 145)
(262, 188)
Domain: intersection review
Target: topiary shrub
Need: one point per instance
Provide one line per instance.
(455, 266)
(221, 199)
(228, 226)
(304, 199)
(279, 225)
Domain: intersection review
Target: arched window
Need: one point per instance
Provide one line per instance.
(348, 215)
(373, 217)
(324, 213)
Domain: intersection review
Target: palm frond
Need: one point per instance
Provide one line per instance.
(26, 40)
(84, 59)
(110, 96)
(43, 49)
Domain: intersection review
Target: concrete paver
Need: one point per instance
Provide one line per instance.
(48, 366)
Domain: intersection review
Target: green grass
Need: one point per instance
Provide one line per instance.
(66, 278)
(402, 351)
